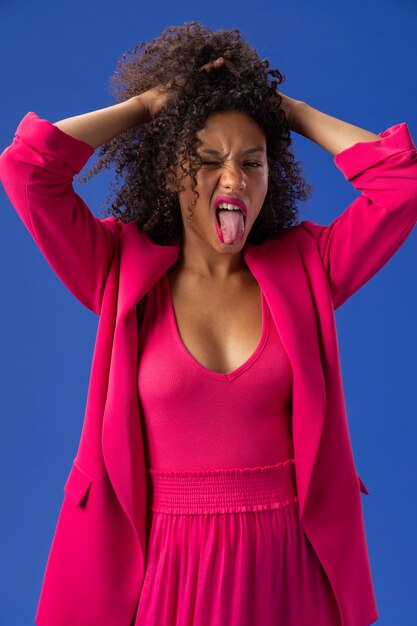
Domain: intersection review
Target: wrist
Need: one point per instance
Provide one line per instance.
(289, 106)
(140, 107)
(297, 111)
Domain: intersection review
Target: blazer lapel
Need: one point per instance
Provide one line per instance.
(278, 268)
(141, 264)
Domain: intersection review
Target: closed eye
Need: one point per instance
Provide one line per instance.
(247, 163)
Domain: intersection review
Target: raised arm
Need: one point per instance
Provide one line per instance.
(100, 126)
(37, 172)
(383, 167)
(329, 132)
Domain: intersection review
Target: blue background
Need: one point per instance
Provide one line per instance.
(355, 61)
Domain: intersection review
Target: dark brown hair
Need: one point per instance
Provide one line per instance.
(146, 156)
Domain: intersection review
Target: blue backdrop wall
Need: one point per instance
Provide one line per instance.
(355, 61)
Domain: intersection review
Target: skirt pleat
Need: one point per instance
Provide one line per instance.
(226, 548)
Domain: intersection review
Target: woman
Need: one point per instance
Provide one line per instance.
(214, 482)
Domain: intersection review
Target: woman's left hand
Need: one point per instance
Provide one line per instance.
(288, 106)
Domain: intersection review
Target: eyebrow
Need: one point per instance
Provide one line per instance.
(217, 153)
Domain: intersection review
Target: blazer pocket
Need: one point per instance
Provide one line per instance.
(77, 485)
(362, 486)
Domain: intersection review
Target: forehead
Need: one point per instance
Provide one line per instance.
(224, 129)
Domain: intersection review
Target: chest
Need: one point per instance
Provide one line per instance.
(220, 324)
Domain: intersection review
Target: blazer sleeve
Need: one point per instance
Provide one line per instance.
(358, 243)
(37, 172)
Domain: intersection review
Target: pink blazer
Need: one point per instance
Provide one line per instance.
(96, 563)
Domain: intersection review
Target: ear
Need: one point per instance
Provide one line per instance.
(169, 186)
(172, 179)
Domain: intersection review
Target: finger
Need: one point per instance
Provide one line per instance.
(178, 80)
(225, 59)
(212, 64)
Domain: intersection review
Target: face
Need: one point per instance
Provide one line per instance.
(235, 169)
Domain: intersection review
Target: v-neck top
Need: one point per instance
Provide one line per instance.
(195, 418)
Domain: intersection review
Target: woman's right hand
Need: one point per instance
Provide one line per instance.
(156, 98)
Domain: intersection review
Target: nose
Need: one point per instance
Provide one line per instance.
(233, 178)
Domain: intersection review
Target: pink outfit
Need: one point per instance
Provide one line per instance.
(226, 548)
(184, 404)
(225, 545)
(97, 562)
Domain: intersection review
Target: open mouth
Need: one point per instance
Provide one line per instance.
(236, 209)
(230, 223)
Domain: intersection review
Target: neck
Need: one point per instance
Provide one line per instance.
(208, 263)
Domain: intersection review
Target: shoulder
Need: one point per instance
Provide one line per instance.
(303, 233)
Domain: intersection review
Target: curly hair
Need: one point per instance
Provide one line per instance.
(146, 156)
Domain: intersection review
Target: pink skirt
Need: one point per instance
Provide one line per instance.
(226, 548)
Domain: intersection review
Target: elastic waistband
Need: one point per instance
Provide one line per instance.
(222, 490)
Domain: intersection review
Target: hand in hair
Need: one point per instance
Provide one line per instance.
(156, 98)
(287, 105)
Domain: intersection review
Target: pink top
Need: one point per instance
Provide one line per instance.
(194, 418)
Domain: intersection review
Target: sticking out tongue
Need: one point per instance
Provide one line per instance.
(231, 224)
